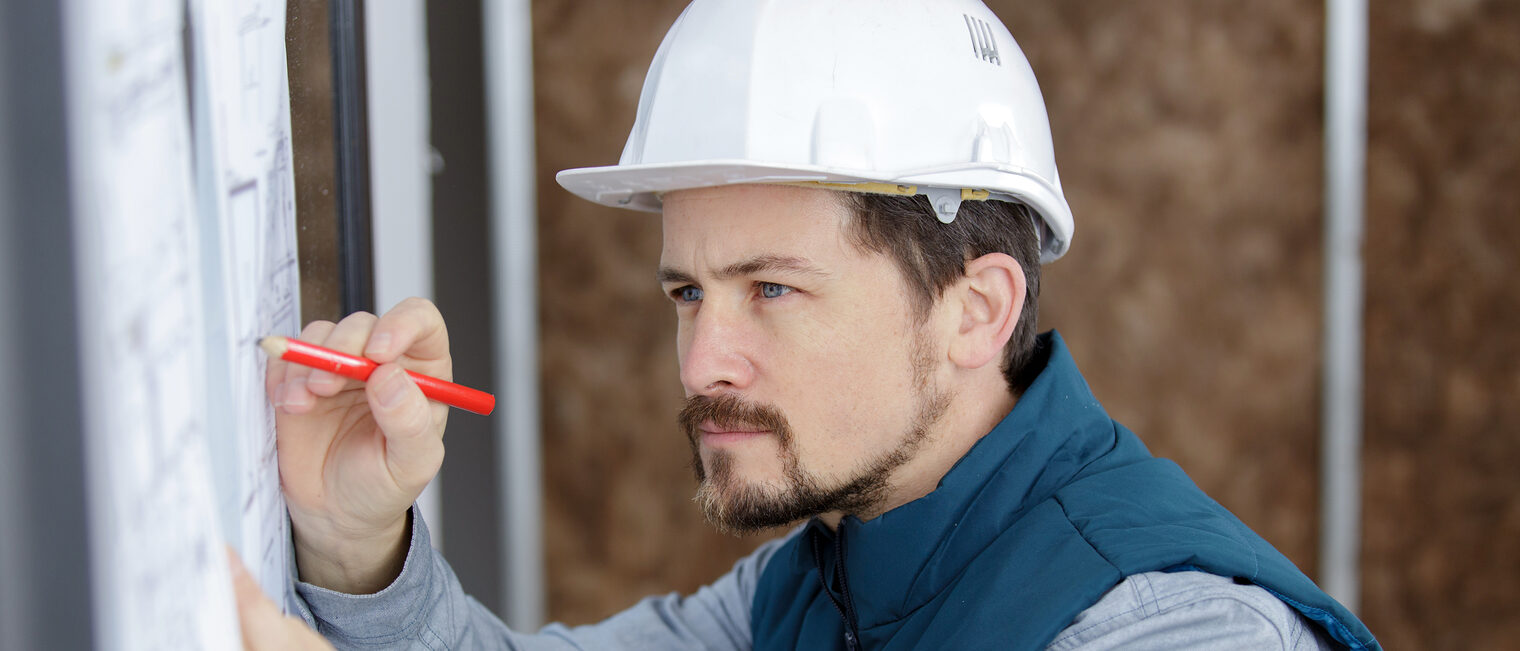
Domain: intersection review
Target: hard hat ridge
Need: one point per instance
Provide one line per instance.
(933, 95)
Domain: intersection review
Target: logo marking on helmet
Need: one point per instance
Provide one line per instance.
(982, 43)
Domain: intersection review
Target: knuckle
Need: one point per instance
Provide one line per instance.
(359, 318)
(419, 417)
(316, 329)
(406, 420)
(417, 303)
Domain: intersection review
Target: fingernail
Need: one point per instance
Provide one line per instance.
(379, 344)
(279, 395)
(392, 390)
(319, 378)
(295, 393)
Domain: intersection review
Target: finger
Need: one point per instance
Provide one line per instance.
(264, 627)
(349, 337)
(257, 615)
(412, 424)
(413, 328)
(286, 382)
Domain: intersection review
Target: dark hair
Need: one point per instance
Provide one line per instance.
(932, 256)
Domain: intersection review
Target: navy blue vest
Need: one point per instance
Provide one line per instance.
(1041, 517)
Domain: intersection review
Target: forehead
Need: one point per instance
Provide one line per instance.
(710, 227)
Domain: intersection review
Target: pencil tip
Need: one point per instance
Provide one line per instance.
(274, 346)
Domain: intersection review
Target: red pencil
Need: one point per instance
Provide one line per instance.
(359, 368)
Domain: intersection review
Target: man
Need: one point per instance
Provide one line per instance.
(856, 198)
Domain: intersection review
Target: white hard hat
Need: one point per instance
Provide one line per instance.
(927, 97)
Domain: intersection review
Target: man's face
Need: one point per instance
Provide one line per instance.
(808, 378)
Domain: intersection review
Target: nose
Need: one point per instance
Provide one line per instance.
(715, 351)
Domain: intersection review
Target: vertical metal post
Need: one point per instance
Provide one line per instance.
(401, 181)
(509, 103)
(345, 22)
(1345, 178)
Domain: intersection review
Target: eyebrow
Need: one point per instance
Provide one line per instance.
(757, 264)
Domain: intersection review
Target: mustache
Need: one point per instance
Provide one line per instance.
(728, 411)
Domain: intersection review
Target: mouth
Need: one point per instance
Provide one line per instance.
(717, 435)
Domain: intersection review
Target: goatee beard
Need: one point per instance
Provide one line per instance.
(736, 507)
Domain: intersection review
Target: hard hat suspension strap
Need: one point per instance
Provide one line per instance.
(946, 201)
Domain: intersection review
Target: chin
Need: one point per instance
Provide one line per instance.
(733, 479)
(741, 508)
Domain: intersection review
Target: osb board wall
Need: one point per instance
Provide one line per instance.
(1442, 547)
(309, 59)
(618, 516)
(1189, 136)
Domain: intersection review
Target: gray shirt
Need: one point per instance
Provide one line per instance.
(425, 608)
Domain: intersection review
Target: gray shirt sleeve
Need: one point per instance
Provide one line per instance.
(1188, 610)
(425, 608)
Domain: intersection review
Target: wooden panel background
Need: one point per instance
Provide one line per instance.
(619, 520)
(308, 55)
(1189, 135)
(1442, 553)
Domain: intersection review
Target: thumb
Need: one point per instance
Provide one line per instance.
(264, 627)
(410, 423)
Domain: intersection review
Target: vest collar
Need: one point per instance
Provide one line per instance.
(901, 559)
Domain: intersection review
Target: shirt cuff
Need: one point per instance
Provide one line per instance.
(391, 614)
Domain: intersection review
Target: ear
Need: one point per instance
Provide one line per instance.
(990, 300)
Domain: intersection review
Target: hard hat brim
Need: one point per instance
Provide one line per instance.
(639, 186)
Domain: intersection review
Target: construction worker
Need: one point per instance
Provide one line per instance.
(857, 197)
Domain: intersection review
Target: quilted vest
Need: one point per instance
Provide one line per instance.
(1045, 514)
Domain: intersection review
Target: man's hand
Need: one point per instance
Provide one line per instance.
(354, 456)
(264, 628)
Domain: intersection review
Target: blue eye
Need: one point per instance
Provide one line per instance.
(688, 294)
(773, 290)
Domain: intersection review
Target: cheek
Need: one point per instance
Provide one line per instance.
(848, 390)
(683, 340)
(863, 351)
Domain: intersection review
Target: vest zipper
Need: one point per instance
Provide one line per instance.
(844, 604)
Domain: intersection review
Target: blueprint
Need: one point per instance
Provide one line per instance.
(160, 574)
(248, 194)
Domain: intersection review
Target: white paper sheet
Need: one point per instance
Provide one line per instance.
(249, 194)
(161, 580)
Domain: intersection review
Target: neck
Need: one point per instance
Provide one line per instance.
(973, 412)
